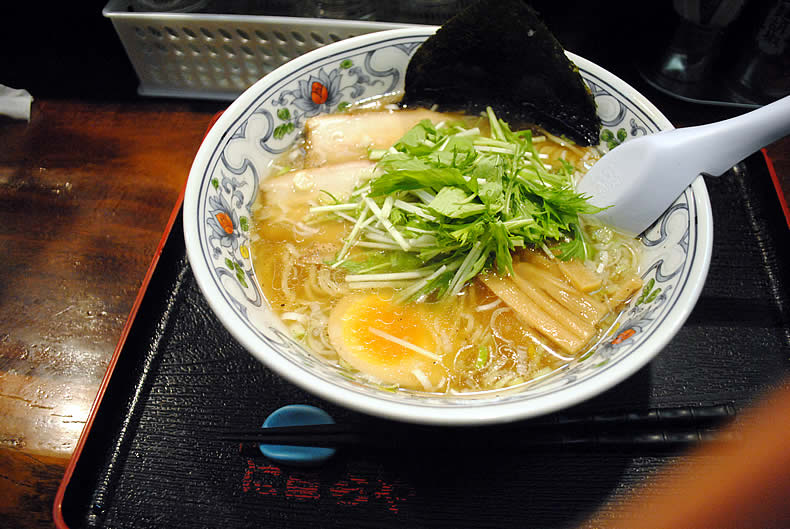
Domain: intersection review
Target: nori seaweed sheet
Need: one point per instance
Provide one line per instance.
(499, 53)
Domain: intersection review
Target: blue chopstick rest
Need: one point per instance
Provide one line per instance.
(297, 415)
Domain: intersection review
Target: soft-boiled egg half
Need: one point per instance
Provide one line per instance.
(389, 341)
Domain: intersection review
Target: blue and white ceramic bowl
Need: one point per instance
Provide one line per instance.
(266, 119)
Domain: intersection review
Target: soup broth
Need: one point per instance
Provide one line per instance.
(497, 331)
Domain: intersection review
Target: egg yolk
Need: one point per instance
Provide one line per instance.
(398, 321)
(388, 341)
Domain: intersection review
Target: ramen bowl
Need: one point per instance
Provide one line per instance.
(266, 120)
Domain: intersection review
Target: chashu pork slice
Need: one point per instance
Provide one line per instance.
(337, 138)
(289, 197)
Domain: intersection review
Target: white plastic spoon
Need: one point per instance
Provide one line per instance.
(642, 177)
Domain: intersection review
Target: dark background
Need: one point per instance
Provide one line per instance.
(70, 50)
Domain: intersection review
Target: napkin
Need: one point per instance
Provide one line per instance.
(15, 102)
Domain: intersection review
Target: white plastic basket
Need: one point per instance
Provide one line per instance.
(207, 56)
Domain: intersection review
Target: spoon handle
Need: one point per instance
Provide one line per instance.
(719, 146)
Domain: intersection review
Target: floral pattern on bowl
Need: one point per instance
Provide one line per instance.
(264, 122)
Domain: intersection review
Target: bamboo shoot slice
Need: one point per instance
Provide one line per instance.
(575, 323)
(580, 276)
(575, 301)
(507, 290)
(539, 259)
(624, 292)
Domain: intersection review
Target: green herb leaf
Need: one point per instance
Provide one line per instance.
(450, 203)
(413, 174)
(573, 248)
(455, 203)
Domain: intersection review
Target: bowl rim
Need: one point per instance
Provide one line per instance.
(406, 411)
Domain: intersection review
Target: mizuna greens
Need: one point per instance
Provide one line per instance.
(447, 202)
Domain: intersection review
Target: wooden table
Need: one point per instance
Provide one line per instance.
(85, 192)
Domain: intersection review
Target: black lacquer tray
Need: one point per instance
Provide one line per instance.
(148, 457)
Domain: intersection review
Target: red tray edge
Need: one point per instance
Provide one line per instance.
(777, 185)
(57, 507)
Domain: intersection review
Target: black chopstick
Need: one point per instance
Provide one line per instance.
(671, 416)
(656, 439)
(676, 426)
(322, 435)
